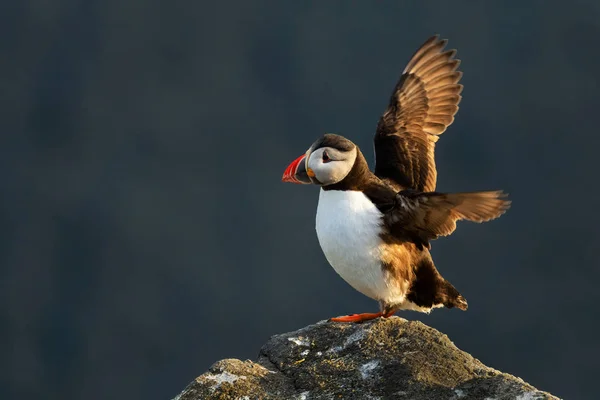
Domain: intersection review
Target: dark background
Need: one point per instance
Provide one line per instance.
(144, 230)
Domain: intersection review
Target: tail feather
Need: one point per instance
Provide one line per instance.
(460, 302)
(453, 298)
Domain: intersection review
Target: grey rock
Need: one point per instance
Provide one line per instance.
(382, 359)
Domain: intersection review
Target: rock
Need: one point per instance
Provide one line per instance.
(381, 359)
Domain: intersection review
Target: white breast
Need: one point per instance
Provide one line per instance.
(348, 226)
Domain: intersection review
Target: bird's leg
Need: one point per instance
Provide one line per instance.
(387, 310)
(357, 317)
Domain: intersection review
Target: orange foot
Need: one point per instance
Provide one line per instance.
(356, 317)
(361, 317)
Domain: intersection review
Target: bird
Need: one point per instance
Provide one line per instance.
(375, 227)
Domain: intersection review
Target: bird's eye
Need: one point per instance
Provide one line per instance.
(326, 158)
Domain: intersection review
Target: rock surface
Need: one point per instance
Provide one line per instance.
(382, 359)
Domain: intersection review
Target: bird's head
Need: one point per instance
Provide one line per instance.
(326, 162)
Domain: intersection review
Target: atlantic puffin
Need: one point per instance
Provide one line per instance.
(375, 227)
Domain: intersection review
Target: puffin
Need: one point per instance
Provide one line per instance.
(375, 227)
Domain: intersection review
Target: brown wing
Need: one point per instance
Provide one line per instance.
(421, 217)
(422, 106)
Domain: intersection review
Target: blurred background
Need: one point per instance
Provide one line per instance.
(144, 230)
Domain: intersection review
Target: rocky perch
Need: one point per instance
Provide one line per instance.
(381, 359)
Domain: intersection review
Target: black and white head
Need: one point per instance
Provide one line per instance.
(328, 161)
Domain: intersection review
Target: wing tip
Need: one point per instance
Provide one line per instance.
(434, 41)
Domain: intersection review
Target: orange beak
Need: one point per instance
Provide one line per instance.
(297, 172)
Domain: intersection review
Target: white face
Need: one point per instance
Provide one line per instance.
(330, 165)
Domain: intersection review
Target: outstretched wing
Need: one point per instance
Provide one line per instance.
(422, 106)
(421, 217)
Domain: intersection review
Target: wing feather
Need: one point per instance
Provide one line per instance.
(423, 104)
(421, 217)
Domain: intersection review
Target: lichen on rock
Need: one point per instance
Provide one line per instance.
(380, 359)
